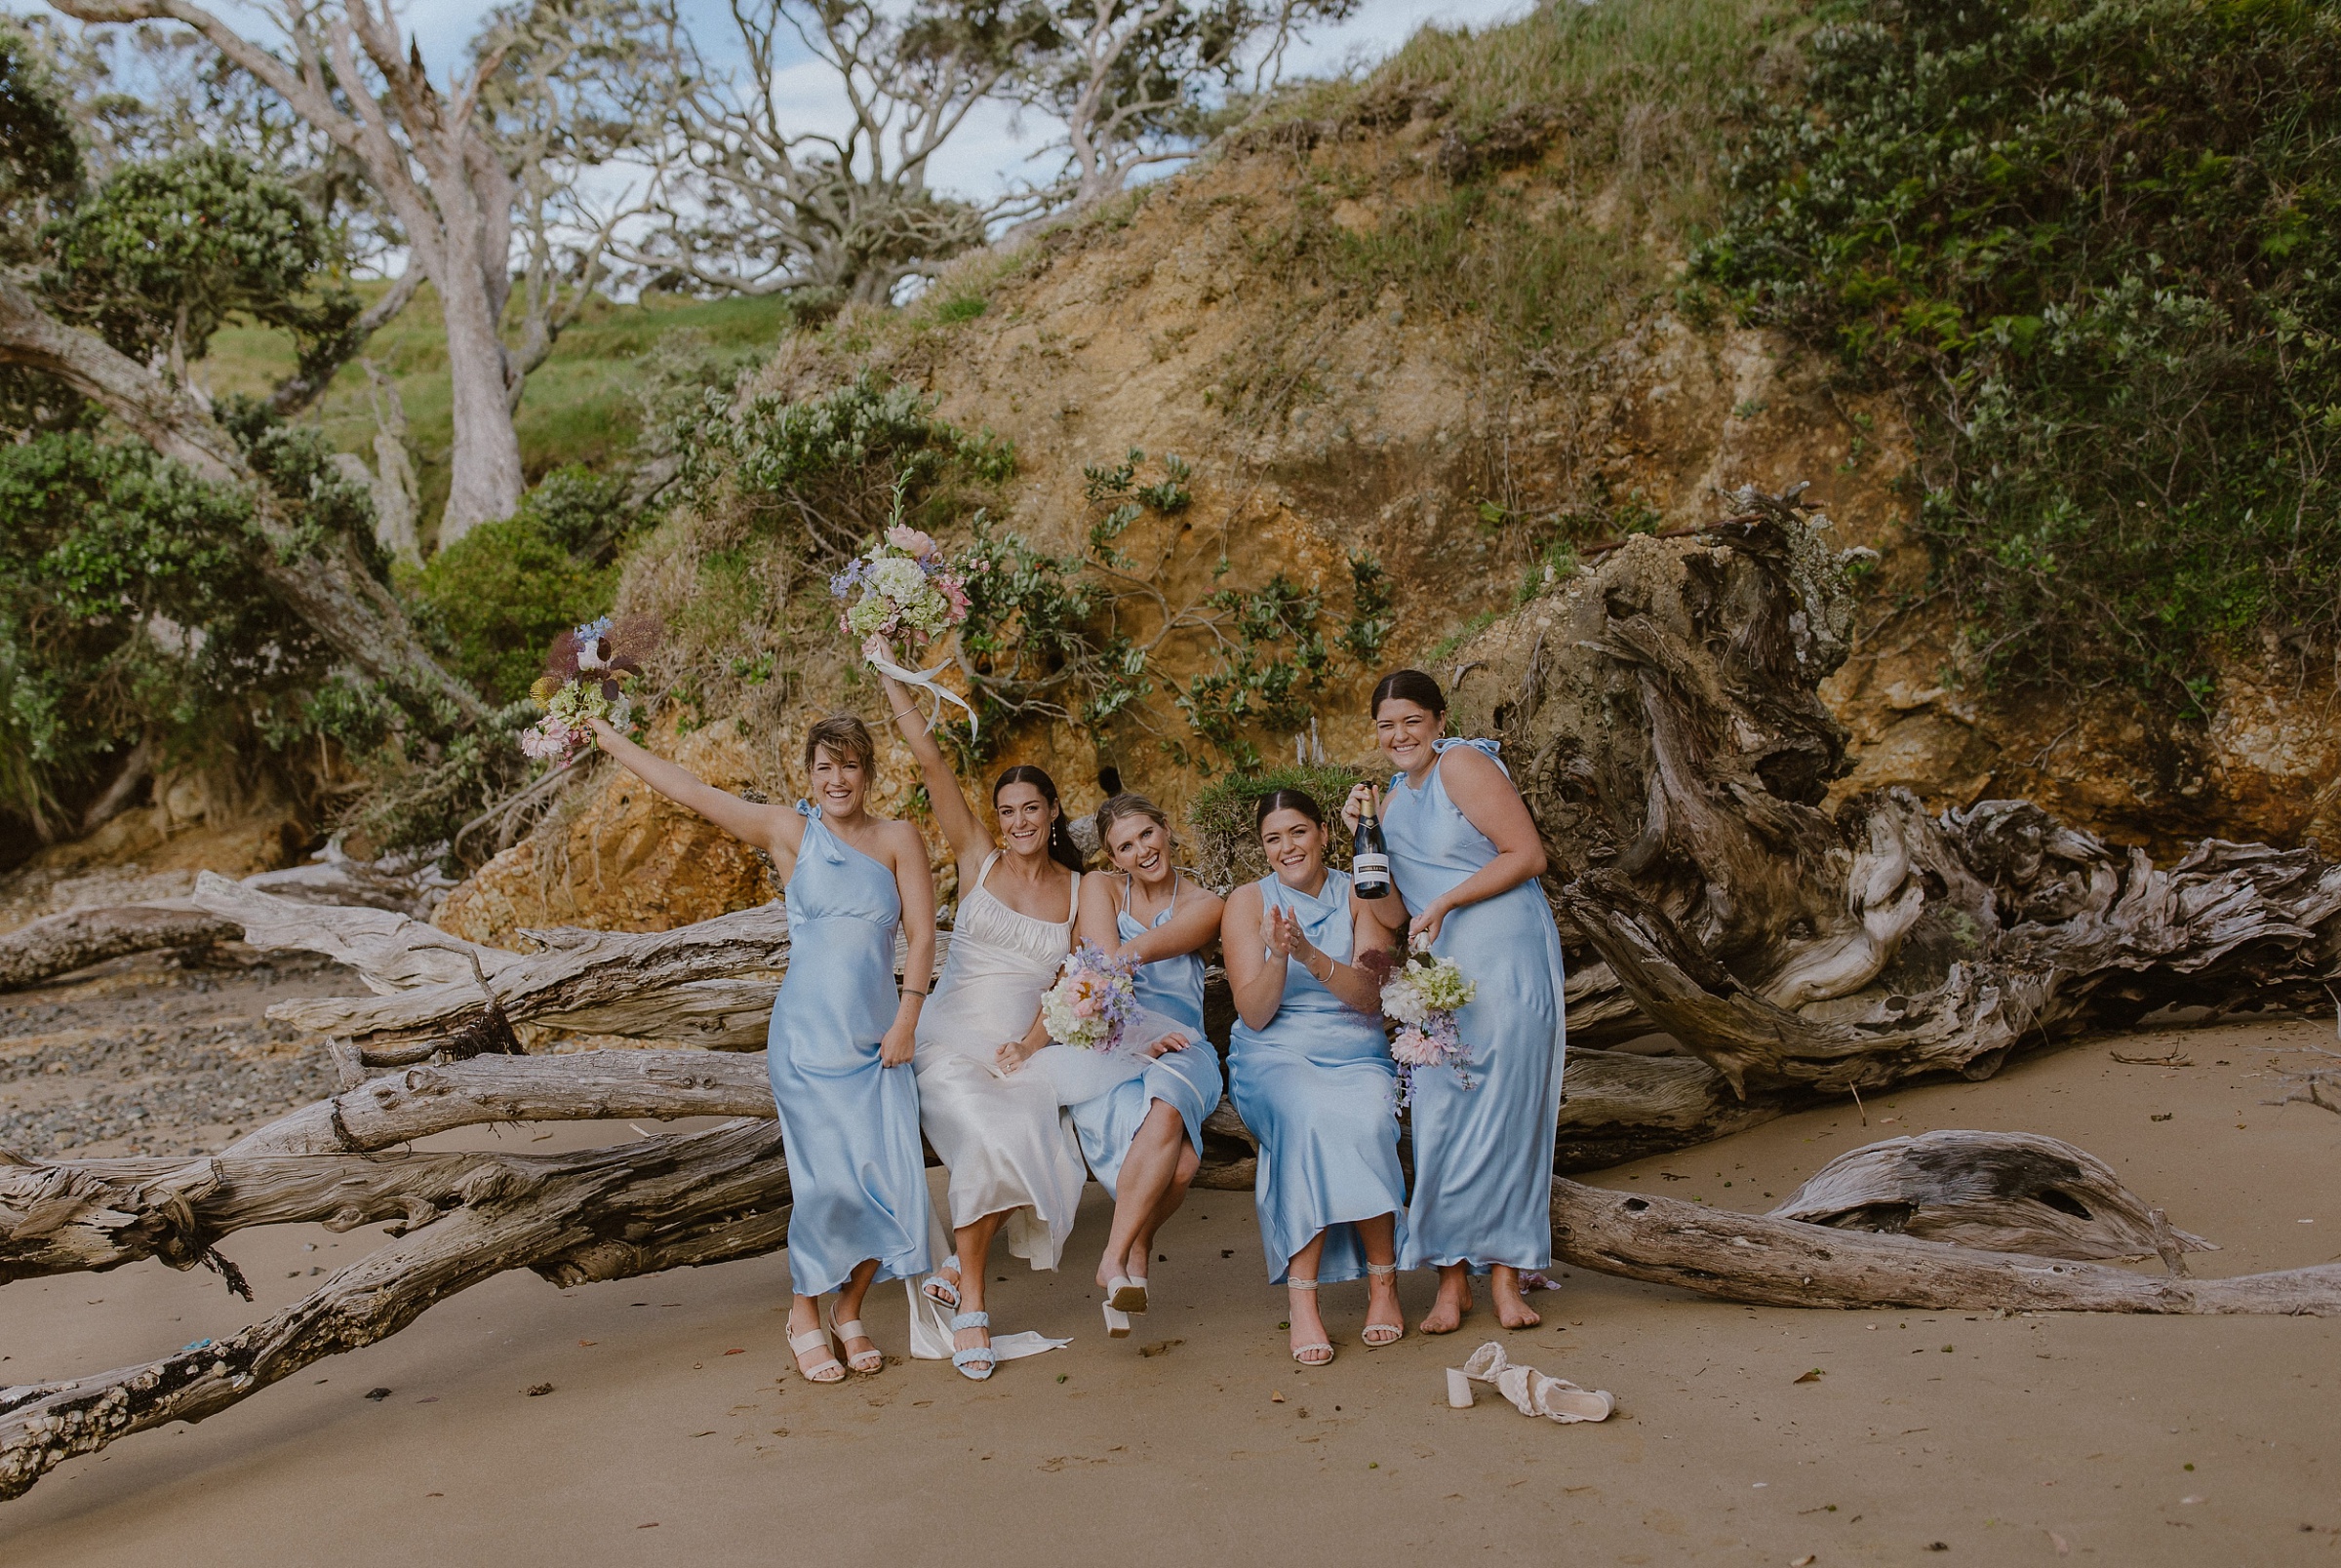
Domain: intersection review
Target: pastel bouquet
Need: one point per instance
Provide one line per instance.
(1095, 1000)
(902, 595)
(589, 675)
(1422, 995)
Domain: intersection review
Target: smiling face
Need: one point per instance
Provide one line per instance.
(1142, 846)
(1025, 816)
(839, 782)
(1294, 847)
(1404, 731)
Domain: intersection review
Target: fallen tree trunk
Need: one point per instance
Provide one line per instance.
(2002, 1191)
(1786, 1262)
(606, 1214)
(59, 944)
(583, 1086)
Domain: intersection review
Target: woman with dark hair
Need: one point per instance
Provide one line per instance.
(1144, 1137)
(1014, 1162)
(1312, 1078)
(841, 1036)
(1465, 857)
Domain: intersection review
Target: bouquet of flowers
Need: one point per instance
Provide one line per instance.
(902, 595)
(1423, 994)
(1094, 1000)
(587, 676)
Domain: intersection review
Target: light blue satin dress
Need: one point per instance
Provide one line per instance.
(1318, 1088)
(1189, 1082)
(849, 1126)
(1483, 1156)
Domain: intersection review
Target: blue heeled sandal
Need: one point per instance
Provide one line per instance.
(963, 1359)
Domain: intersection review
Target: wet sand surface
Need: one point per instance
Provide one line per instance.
(674, 1431)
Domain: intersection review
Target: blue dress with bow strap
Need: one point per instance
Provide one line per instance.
(849, 1125)
(1483, 1156)
(1189, 1080)
(1318, 1088)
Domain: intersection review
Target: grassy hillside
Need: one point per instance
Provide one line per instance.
(579, 407)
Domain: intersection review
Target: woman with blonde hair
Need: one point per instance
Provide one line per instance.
(1143, 1138)
(842, 1035)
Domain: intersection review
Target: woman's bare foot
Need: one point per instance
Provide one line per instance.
(1511, 1309)
(1454, 1300)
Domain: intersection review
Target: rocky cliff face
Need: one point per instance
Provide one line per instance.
(1324, 416)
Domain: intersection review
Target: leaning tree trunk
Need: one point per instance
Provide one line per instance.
(320, 578)
(1661, 714)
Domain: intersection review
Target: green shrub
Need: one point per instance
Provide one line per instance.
(2100, 244)
(496, 597)
(1227, 846)
(829, 467)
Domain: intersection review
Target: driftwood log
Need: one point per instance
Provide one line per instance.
(2004, 1191)
(59, 944)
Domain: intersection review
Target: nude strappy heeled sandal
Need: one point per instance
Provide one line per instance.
(1391, 1333)
(869, 1361)
(1301, 1353)
(1530, 1392)
(831, 1370)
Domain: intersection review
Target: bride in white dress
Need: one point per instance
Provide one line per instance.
(1014, 1157)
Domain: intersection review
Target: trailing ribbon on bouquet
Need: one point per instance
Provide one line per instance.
(874, 653)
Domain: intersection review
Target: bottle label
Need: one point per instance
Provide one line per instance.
(1370, 868)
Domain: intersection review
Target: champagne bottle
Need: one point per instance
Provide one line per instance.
(1370, 863)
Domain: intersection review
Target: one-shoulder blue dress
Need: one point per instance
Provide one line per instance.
(1483, 1156)
(849, 1126)
(1189, 1082)
(1318, 1088)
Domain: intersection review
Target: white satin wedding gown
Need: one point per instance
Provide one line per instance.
(1002, 1136)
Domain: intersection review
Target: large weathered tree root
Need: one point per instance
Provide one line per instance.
(1663, 718)
(608, 1214)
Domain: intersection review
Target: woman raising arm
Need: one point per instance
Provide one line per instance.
(1014, 1162)
(841, 1036)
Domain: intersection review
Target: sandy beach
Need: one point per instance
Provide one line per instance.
(673, 1431)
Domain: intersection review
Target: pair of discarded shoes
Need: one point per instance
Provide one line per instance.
(1530, 1392)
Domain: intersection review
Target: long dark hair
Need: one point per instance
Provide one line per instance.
(1061, 848)
(1408, 686)
(1275, 800)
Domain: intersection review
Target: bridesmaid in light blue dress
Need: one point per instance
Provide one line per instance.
(1143, 1138)
(842, 1035)
(1312, 1077)
(1465, 857)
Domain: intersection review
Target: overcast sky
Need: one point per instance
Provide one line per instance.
(989, 150)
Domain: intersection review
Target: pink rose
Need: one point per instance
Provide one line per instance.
(910, 540)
